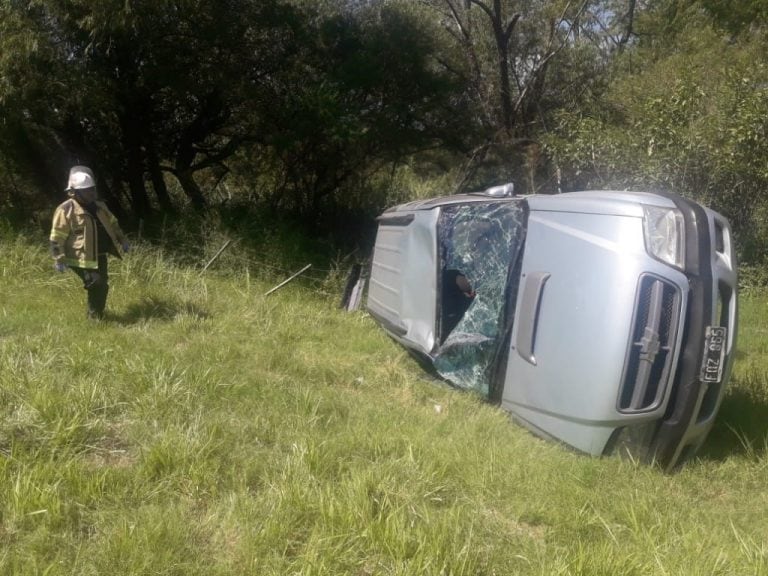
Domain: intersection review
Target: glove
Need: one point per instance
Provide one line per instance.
(59, 266)
(126, 247)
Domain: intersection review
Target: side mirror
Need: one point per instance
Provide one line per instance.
(502, 191)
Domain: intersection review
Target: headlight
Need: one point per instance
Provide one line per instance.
(664, 238)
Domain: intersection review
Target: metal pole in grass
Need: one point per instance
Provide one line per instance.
(284, 282)
(227, 243)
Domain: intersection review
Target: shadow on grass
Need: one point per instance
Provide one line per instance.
(741, 428)
(157, 309)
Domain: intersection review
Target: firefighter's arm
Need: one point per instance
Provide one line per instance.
(58, 238)
(119, 234)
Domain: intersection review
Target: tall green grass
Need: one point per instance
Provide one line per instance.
(204, 428)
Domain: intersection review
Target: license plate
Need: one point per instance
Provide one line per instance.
(714, 354)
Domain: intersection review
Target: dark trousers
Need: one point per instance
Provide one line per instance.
(96, 282)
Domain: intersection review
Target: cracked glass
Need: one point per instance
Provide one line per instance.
(479, 245)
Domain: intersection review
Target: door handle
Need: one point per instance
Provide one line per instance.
(528, 315)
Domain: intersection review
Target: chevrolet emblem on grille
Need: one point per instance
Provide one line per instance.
(649, 345)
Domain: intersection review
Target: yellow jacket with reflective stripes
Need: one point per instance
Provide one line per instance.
(74, 234)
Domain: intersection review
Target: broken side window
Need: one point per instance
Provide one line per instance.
(481, 243)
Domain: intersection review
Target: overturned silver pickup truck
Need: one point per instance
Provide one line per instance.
(605, 320)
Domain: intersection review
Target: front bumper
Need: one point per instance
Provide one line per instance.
(712, 301)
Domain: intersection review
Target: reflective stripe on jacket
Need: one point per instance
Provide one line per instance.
(74, 234)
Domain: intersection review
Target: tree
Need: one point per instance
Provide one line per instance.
(510, 50)
(518, 40)
(688, 115)
(114, 89)
(365, 94)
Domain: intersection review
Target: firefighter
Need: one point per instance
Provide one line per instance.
(83, 232)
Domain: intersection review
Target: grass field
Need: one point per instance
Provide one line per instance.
(205, 429)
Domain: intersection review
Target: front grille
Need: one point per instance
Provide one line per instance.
(649, 361)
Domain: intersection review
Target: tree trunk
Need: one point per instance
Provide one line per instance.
(158, 182)
(191, 189)
(130, 126)
(502, 33)
(629, 29)
(502, 46)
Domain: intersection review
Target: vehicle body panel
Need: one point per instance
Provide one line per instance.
(583, 324)
(403, 281)
(599, 344)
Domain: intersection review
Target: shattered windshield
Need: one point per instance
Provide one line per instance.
(479, 245)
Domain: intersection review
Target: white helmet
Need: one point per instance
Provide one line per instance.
(80, 177)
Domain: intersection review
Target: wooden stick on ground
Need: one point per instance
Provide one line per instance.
(284, 282)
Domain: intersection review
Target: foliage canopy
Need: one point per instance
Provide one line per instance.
(334, 108)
